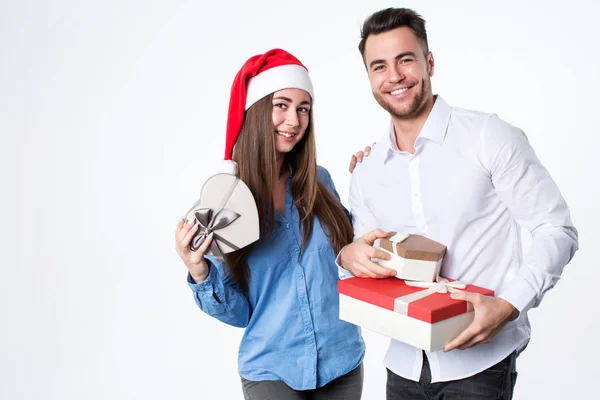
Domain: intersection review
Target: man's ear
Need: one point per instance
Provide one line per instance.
(430, 64)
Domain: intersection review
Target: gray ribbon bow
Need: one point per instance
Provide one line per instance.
(207, 225)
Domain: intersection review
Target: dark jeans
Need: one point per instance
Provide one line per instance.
(495, 383)
(346, 387)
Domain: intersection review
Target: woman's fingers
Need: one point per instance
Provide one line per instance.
(187, 234)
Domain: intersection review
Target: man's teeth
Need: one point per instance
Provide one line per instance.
(398, 91)
(287, 135)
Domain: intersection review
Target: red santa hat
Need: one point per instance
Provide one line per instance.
(260, 76)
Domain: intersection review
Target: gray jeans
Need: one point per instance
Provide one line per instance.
(346, 387)
(495, 383)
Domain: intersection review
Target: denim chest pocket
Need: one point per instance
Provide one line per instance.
(259, 260)
(319, 239)
(269, 254)
(281, 247)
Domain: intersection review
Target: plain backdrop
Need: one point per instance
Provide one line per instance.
(112, 114)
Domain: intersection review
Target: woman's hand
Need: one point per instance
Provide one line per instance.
(358, 157)
(193, 260)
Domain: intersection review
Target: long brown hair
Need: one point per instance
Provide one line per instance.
(255, 155)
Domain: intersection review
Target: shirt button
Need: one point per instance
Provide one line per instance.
(300, 276)
(287, 226)
(303, 302)
(308, 329)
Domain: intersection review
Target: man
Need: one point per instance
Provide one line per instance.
(467, 180)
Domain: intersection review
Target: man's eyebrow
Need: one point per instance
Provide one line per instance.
(398, 57)
(404, 54)
(375, 62)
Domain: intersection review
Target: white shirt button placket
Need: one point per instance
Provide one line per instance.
(415, 187)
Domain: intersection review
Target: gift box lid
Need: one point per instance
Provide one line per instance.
(415, 247)
(228, 210)
(384, 293)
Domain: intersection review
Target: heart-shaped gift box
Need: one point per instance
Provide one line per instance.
(228, 210)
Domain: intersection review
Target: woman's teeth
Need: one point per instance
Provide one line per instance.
(285, 134)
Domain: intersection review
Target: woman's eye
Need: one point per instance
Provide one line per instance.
(281, 106)
(304, 110)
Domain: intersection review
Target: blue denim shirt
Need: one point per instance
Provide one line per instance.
(291, 311)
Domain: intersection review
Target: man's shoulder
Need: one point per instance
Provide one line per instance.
(487, 130)
(379, 151)
(480, 123)
(467, 114)
(489, 122)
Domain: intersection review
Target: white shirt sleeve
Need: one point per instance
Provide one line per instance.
(363, 220)
(535, 203)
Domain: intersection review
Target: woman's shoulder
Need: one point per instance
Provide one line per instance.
(323, 175)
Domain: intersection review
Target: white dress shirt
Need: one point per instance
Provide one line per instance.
(471, 183)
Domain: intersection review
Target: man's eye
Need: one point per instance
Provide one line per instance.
(378, 68)
(406, 60)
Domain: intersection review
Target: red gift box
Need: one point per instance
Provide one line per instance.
(421, 314)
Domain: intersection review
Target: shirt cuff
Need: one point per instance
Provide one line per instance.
(342, 273)
(519, 293)
(207, 284)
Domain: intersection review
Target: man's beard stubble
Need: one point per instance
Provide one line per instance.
(413, 108)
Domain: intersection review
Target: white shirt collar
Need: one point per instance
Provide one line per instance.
(434, 129)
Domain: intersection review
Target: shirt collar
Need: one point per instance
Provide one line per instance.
(434, 129)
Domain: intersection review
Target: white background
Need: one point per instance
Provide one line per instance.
(112, 113)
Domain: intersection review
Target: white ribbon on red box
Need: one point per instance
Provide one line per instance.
(441, 285)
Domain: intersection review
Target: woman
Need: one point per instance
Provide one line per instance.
(283, 288)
